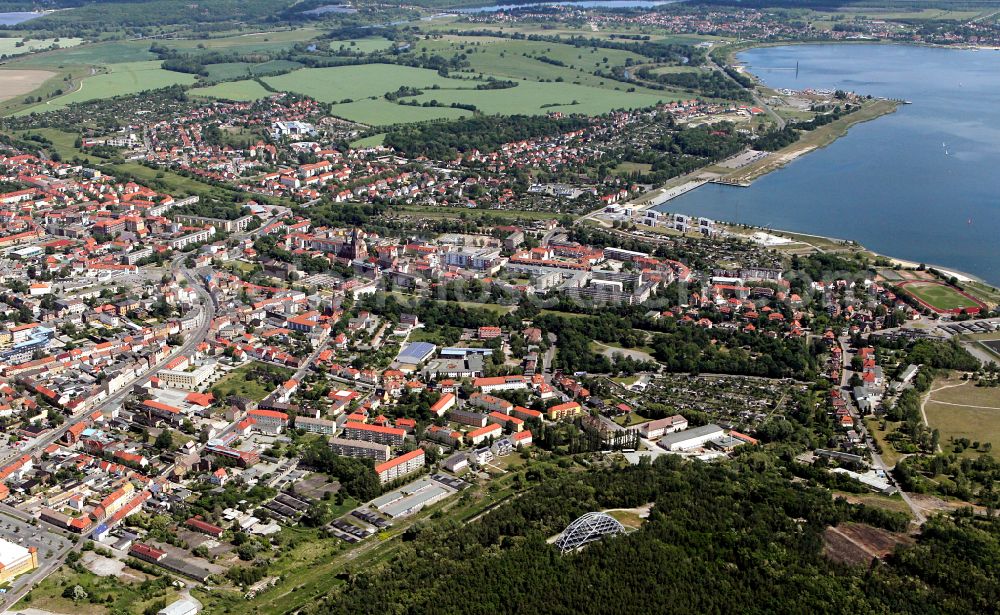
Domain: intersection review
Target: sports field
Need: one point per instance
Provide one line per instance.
(127, 78)
(962, 410)
(940, 297)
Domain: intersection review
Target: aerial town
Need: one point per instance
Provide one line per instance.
(154, 355)
(321, 318)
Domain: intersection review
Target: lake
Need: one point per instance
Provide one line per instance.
(921, 184)
(584, 4)
(12, 19)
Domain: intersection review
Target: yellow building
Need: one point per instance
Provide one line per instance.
(16, 560)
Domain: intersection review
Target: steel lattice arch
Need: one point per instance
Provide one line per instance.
(588, 528)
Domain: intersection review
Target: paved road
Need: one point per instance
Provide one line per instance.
(191, 342)
(193, 338)
(859, 425)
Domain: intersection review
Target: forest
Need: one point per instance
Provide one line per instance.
(733, 537)
(444, 140)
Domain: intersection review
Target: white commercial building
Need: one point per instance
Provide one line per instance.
(690, 438)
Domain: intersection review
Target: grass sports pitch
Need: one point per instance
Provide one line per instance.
(940, 297)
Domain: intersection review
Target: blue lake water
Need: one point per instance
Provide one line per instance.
(921, 184)
(586, 4)
(11, 19)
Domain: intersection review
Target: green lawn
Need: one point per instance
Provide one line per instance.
(939, 296)
(126, 78)
(629, 420)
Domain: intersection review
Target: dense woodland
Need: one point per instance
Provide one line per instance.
(444, 140)
(735, 537)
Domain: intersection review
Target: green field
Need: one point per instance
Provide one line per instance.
(242, 70)
(127, 78)
(381, 112)
(101, 53)
(234, 90)
(366, 45)
(242, 43)
(8, 46)
(965, 411)
(370, 141)
(237, 382)
(535, 98)
(362, 81)
(519, 59)
(939, 296)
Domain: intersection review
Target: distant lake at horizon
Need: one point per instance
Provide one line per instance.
(16, 17)
(922, 184)
(586, 4)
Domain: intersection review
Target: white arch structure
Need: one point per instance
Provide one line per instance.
(588, 528)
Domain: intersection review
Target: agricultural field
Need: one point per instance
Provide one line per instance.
(963, 410)
(242, 43)
(241, 70)
(119, 52)
(534, 98)
(127, 78)
(246, 90)
(369, 141)
(509, 59)
(939, 297)
(9, 46)
(365, 45)
(363, 81)
(381, 112)
(14, 83)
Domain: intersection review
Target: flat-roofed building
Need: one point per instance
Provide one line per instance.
(690, 438)
(373, 433)
(16, 560)
(325, 427)
(189, 380)
(359, 449)
(401, 466)
(465, 417)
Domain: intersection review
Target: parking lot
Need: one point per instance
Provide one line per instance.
(26, 535)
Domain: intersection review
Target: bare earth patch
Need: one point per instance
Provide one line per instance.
(14, 83)
(854, 543)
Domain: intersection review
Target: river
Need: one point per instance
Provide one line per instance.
(921, 184)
